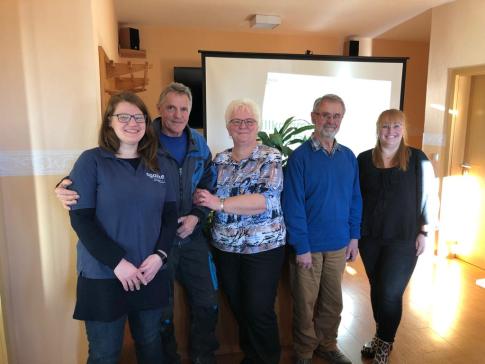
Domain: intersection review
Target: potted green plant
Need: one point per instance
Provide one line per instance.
(284, 137)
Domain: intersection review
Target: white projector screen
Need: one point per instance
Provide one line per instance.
(286, 85)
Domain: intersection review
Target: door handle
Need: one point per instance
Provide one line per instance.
(465, 168)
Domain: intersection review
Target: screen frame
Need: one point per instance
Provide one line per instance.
(313, 57)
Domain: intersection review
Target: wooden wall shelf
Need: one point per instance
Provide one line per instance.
(111, 73)
(132, 53)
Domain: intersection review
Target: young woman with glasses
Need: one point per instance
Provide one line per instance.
(125, 219)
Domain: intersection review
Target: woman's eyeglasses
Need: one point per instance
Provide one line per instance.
(248, 122)
(125, 118)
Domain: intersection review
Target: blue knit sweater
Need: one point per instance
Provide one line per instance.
(321, 199)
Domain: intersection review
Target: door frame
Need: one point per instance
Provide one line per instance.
(455, 134)
(456, 125)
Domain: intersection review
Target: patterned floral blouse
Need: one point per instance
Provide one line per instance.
(260, 173)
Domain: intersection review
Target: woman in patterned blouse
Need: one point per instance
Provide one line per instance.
(249, 231)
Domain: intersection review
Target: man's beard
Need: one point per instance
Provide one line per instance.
(328, 133)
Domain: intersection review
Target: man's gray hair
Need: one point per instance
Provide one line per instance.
(330, 98)
(178, 88)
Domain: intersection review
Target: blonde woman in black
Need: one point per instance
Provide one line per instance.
(396, 183)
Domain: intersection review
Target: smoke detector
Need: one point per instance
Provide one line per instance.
(258, 21)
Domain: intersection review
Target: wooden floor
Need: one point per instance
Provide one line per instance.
(443, 320)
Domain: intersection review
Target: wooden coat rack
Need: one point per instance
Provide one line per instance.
(116, 77)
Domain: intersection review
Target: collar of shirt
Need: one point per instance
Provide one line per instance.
(107, 153)
(316, 145)
(226, 156)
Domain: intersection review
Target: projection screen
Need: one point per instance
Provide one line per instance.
(286, 85)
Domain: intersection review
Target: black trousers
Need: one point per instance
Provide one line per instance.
(389, 267)
(192, 265)
(250, 282)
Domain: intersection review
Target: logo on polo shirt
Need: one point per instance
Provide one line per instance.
(155, 177)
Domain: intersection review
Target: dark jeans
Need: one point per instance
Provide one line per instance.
(192, 265)
(389, 267)
(250, 282)
(106, 338)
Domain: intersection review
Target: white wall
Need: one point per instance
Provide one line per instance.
(457, 40)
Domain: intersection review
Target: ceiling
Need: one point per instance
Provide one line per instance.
(389, 19)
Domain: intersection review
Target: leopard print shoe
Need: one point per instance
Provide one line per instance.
(382, 352)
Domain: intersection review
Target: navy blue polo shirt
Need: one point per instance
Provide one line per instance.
(128, 202)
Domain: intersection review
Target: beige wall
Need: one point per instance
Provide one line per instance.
(416, 77)
(105, 26)
(3, 338)
(457, 39)
(50, 106)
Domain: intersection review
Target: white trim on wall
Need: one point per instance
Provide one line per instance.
(37, 162)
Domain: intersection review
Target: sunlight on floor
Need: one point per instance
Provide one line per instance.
(436, 291)
(460, 206)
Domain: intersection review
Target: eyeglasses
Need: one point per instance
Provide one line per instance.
(125, 118)
(248, 122)
(328, 116)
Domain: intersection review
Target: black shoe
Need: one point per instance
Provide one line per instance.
(368, 350)
(333, 356)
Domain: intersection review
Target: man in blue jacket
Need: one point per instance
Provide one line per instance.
(186, 154)
(322, 207)
(188, 160)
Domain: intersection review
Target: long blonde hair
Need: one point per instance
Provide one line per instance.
(401, 158)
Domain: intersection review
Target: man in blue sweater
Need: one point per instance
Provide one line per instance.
(322, 206)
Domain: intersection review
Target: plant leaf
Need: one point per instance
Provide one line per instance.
(295, 141)
(281, 139)
(286, 150)
(287, 131)
(276, 139)
(286, 124)
(298, 131)
(264, 138)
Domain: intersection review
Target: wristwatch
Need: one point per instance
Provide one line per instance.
(162, 255)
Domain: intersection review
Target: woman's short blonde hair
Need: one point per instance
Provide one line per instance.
(247, 104)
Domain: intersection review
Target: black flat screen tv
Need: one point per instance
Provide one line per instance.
(192, 77)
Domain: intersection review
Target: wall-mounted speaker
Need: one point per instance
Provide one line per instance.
(351, 48)
(129, 38)
(358, 47)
